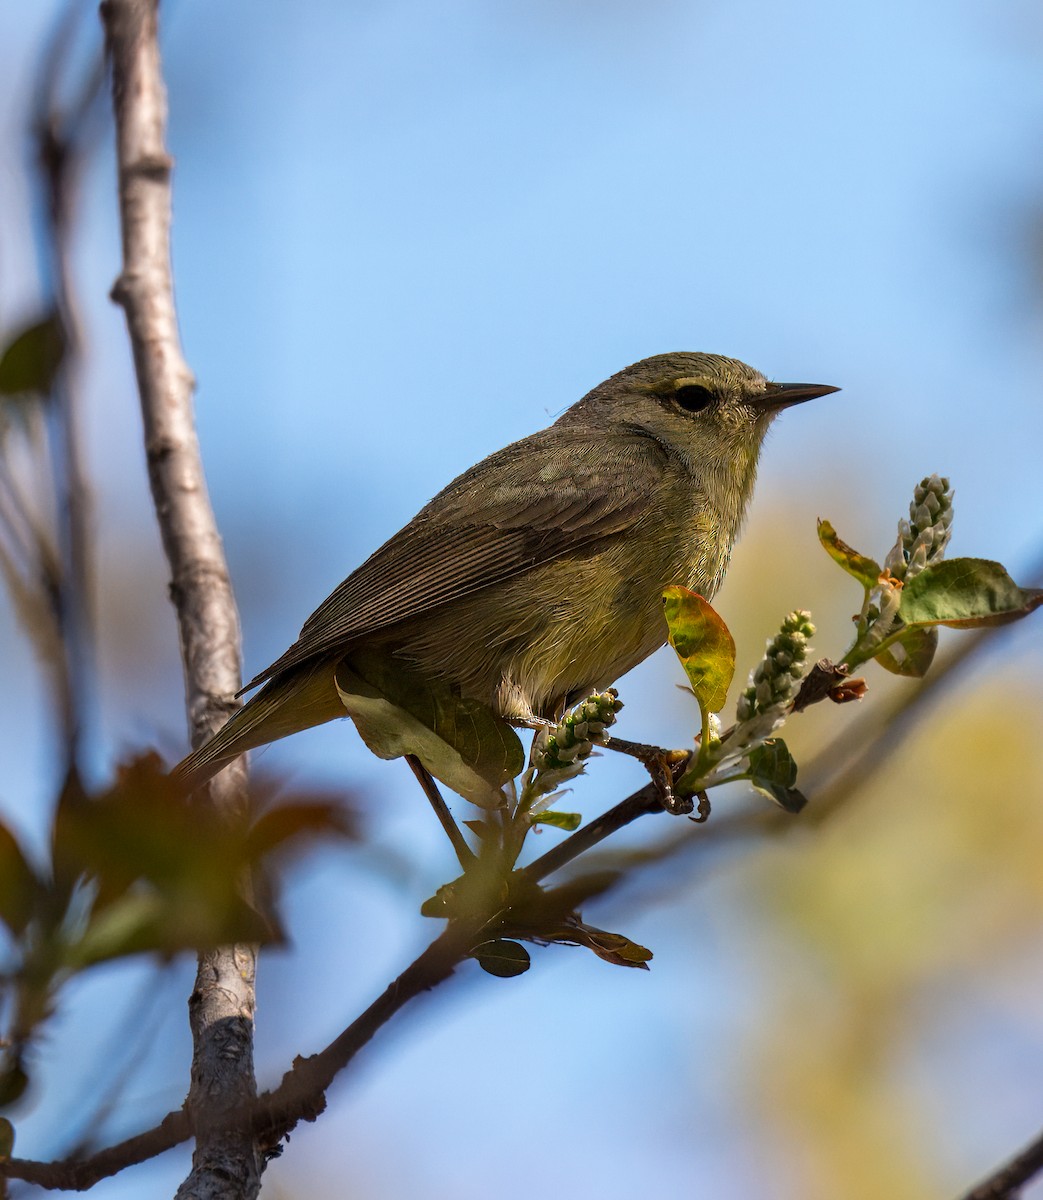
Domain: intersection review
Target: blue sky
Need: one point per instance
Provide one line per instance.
(408, 233)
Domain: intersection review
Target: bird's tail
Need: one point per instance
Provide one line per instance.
(287, 704)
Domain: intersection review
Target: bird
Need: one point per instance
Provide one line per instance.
(535, 578)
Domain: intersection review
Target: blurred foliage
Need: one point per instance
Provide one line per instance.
(140, 867)
(868, 935)
(30, 360)
(43, 558)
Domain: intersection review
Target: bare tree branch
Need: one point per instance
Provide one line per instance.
(1006, 1182)
(225, 1164)
(77, 1175)
(641, 803)
(300, 1095)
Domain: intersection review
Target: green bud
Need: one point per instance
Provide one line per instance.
(773, 682)
(559, 752)
(923, 538)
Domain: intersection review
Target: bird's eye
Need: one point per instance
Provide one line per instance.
(692, 397)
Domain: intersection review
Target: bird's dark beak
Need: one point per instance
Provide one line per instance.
(781, 395)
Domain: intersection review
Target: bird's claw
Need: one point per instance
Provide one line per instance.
(664, 767)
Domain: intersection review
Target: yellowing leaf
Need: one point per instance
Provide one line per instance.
(703, 644)
(864, 569)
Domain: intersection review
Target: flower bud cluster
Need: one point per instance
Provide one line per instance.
(773, 682)
(573, 738)
(559, 753)
(923, 538)
(772, 685)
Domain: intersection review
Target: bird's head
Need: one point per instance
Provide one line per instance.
(708, 409)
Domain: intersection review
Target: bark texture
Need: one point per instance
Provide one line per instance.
(226, 1165)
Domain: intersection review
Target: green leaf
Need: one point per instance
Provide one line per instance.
(964, 593)
(19, 887)
(31, 360)
(773, 772)
(703, 644)
(502, 958)
(6, 1138)
(560, 820)
(864, 569)
(912, 653)
(397, 711)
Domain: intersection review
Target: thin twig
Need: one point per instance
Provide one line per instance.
(644, 801)
(60, 131)
(1006, 1182)
(77, 1175)
(300, 1095)
(464, 853)
(222, 1005)
(130, 1040)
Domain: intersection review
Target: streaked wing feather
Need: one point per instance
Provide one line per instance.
(479, 532)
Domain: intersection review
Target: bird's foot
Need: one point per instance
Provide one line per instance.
(530, 722)
(665, 767)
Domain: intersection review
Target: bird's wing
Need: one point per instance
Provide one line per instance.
(558, 492)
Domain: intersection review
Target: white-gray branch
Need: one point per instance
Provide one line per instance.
(222, 1004)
